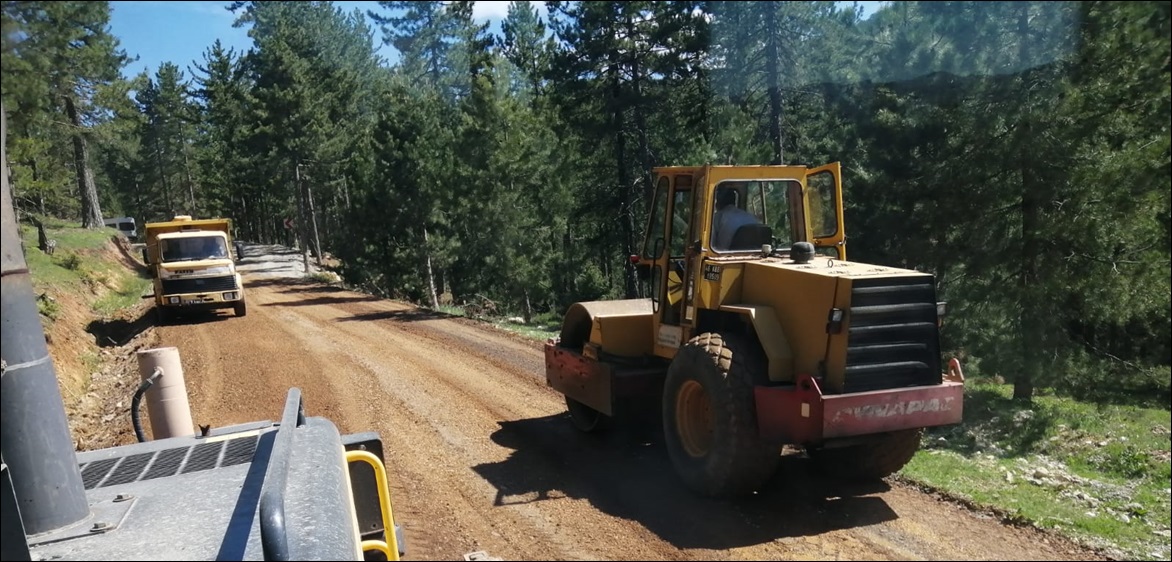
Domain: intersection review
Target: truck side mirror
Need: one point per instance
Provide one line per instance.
(146, 257)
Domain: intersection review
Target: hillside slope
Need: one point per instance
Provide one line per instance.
(89, 292)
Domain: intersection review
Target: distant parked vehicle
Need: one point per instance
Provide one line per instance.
(125, 225)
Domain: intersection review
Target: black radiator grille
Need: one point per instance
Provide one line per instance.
(893, 339)
(168, 462)
(204, 285)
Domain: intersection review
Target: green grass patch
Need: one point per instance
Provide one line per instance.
(128, 294)
(75, 267)
(451, 310)
(1096, 473)
(48, 308)
(80, 238)
(538, 329)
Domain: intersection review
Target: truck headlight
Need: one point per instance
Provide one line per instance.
(174, 300)
(230, 296)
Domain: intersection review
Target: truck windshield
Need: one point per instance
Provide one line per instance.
(188, 249)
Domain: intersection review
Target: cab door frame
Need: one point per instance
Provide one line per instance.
(825, 189)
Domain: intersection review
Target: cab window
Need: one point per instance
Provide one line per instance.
(751, 213)
(655, 224)
(823, 206)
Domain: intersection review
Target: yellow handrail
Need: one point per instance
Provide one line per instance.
(380, 546)
(390, 547)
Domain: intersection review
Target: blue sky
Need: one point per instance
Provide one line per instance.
(180, 32)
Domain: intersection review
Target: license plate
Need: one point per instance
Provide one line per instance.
(193, 301)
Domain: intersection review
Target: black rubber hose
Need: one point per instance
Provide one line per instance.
(134, 403)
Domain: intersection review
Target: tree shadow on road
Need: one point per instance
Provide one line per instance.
(291, 284)
(299, 287)
(274, 269)
(412, 315)
(626, 473)
(321, 300)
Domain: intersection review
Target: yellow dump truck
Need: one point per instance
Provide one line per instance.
(192, 266)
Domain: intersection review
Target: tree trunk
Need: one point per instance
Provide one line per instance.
(773, 80)
(313, 223)
(625, 186)
(1030, 330)
(163, 178)
(190, 182)
(639, 112)
(40, 194)
(430, 274)
(91, 209)
(303, 229)
(1029, 305)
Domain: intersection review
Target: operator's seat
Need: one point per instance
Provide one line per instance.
(751, 237)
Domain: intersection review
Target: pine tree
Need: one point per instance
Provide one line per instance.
(66, 54)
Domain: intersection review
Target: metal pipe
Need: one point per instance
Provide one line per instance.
(34, 433)
(135, 421)
(167, 406)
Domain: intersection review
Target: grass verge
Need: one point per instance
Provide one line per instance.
(1096, 473)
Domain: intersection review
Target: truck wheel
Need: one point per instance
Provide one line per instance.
(162, 315)
(586, 419)
(879, 456)
(240, 308)
(709, 418)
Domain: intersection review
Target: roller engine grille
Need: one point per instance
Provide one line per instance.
(168, 462)
(893, 339)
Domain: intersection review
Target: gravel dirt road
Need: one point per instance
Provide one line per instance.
(482, 457)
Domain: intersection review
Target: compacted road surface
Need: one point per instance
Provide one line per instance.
(482, 457)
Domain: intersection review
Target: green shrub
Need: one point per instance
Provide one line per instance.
(48, 308)
(1122, 459)
(70, 261)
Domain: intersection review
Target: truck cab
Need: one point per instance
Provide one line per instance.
(192, 266)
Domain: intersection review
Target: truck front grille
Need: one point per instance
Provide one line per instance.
(201, 285)
(893, 339)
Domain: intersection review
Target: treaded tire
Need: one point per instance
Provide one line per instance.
(162, 315)
(879, 456)
(240, 308)
(727, 457)
(587, 419)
